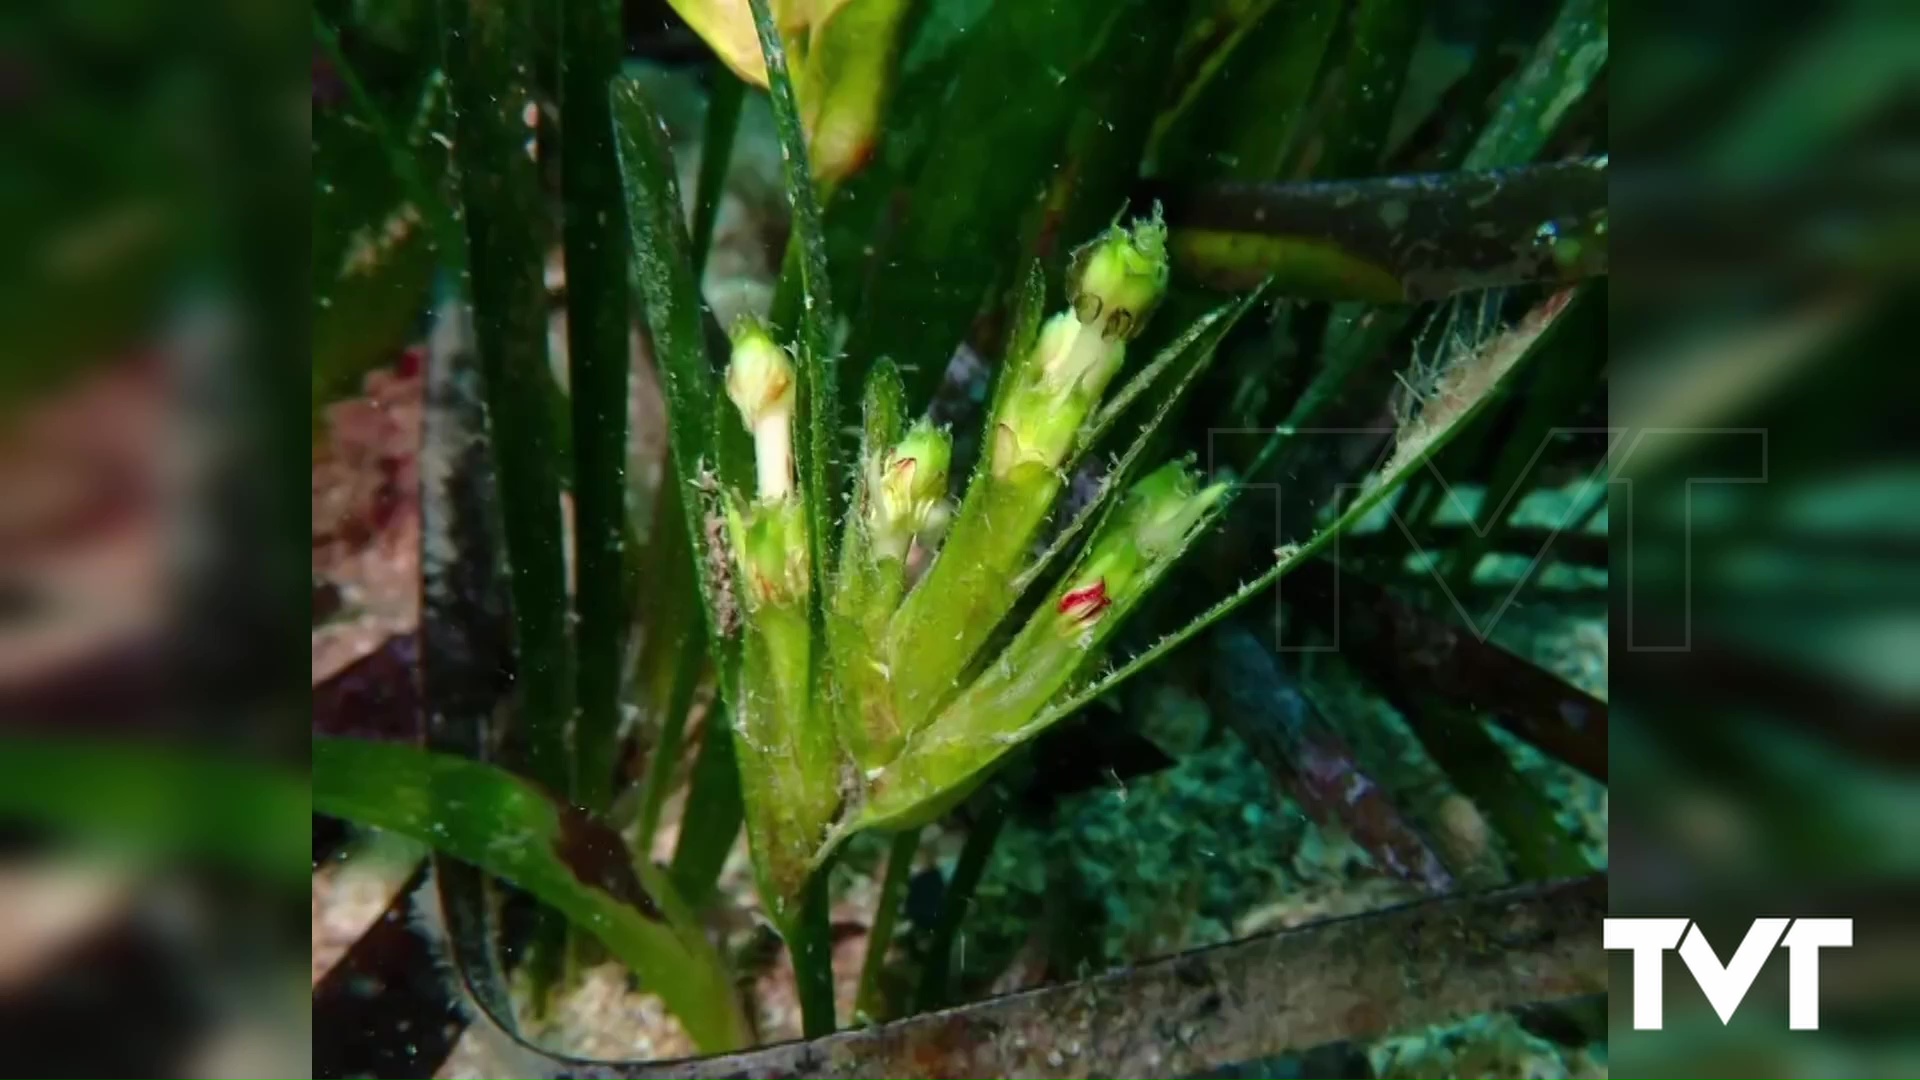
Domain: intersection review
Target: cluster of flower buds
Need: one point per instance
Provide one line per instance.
(1113, 286)
(1157, 519)
(1048, 395)
(908, 486)
(899, 686)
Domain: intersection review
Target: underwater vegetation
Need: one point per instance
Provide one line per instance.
(919, 530)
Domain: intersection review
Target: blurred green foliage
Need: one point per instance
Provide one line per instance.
(381, 136)
(158, 804)
(98, 194)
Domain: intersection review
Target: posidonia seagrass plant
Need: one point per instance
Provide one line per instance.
(893, 711)
(891, 601)
(863, 699)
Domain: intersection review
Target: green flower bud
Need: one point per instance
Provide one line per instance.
(1115, 281)
(1153, 524)
(760, 382)
(770, 545)
(1164, 507)
(909, 486)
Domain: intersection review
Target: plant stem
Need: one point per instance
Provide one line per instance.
(1556, 393)
(676, 317)
(1398, 238)
(507, 233)
(1311, 762)
(867, 1002)
(950, 614)
(466, 637)
(810, 943)
(597, 357)
(1413, 965)
(957, 900)
(1391, 639)
(672, 304)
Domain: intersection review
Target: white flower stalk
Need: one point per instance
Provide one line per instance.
(760, 382)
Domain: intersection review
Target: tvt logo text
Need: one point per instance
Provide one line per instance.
(1725, 985)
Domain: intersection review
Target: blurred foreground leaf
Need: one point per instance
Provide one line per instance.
(377, 219)
(159, 800)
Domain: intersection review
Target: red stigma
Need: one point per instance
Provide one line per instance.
(1084, 605)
